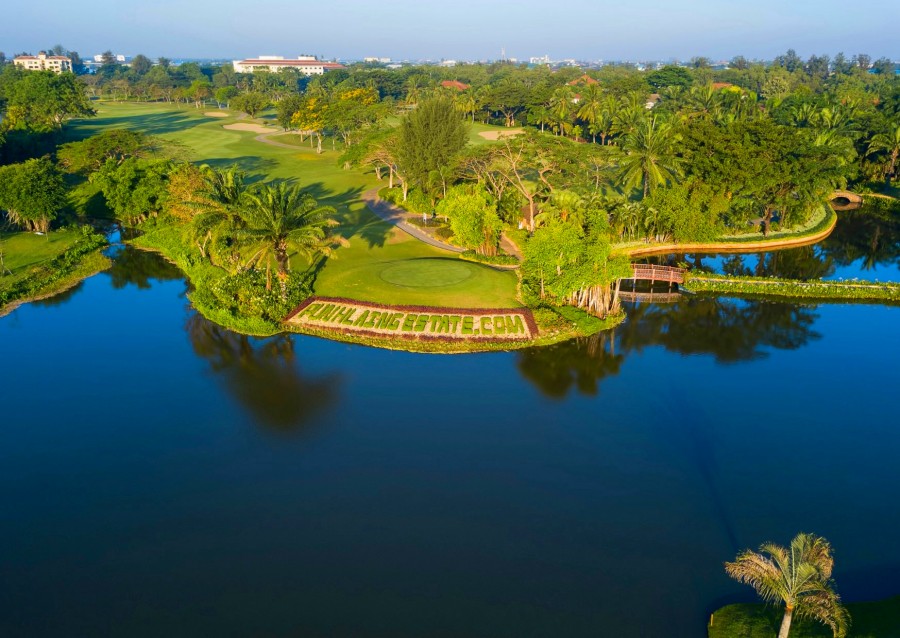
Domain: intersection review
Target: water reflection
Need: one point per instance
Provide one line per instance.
(61, 297)
(865, 244)
(139, 268)
(730, 330)
(579, 363)
(263, 375)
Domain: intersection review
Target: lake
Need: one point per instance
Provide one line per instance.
(164, 476)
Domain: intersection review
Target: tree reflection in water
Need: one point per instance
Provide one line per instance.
(866, 239)
(869, 236)
(730, 330)
(139, 267)
(579, 363)
(263, 375)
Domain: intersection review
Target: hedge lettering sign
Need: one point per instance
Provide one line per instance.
(414, 322)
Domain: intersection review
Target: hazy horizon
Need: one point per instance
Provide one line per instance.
(579, 29)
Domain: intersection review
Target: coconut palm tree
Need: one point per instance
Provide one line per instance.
(890, 144)
(279, 218)
(799, 576)
(562, 109)
(218, 207)
(648, 155)
(590, 108)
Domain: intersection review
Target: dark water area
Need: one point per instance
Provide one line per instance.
(864, 245)
(162, 476)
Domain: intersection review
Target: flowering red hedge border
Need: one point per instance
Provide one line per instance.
(525, 312)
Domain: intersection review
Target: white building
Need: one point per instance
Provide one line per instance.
(305, 64)
(121, 59)
(43, 62)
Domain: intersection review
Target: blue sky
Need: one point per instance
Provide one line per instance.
(460, 29)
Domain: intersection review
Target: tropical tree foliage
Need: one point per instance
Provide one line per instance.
(32, 193)
(799, 576)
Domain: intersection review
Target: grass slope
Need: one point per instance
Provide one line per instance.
(372, 244)
(24, 251)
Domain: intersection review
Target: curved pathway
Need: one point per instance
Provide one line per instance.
(397, 216)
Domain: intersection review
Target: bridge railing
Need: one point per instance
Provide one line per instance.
(653, 273)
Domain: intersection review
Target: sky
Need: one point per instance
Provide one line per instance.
(459, 29)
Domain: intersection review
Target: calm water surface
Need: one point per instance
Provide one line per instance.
(864, 245)
(161, 476)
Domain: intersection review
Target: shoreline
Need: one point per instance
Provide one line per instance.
(74, 279)
(735, 247)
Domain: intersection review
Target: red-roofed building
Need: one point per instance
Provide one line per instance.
(43, 62)
(584, 79)
(305, 64)
(718, 86)
(454, 84)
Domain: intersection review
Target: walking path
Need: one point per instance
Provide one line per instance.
(397, 216)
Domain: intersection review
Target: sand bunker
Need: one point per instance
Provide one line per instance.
(216, 114)
(496, 135)
(253, 128)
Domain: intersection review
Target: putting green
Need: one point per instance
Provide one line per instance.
(427, 273)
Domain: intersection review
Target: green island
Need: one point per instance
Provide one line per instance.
(875, 619)
(488, 198)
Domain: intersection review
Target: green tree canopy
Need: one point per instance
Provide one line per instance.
(135, 189)
(251, 103)
(91, 154)
(32, 193)
(41, 101)
(429, 139)
(473, 217)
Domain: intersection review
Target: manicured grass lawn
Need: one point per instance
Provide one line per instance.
(22, 251)
(879, 619)
(373, 245)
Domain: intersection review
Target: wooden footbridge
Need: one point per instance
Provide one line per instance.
(653, 274)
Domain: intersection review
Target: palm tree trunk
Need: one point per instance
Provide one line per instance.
(786, 623)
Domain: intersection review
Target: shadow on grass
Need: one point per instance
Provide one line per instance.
(255, 167)
(151, 124)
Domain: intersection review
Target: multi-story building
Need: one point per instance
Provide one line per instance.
(305, 64)
(44, 62)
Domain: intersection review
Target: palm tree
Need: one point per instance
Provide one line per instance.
(562, 109)
(590, 108)
(220, 200)
(467, 104)
(631, 112)
(279, 218)
(890, 144)
(799, 576)
(648, 157)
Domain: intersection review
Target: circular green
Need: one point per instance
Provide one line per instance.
(427, 273)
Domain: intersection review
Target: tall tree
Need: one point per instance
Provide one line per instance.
(429, 139)
(648, 156)
(798, 576)
(217, 214)
(889, 144)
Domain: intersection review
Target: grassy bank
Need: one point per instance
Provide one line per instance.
(879, 619)
(771, 287)
(42, 266)
(814, 231)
